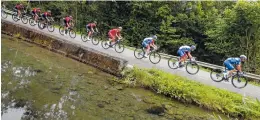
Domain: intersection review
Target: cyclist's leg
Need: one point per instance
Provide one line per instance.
(89, 32)
(65, 27)
(230, 68)
(182, 56)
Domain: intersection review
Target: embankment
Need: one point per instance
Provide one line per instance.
(105, 62)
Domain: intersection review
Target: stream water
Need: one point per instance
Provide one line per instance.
(39, 84)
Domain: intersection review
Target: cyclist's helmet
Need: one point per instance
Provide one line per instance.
(49, 11)
(193, 47)
(243, 56)
(154, 37)
(95, 22)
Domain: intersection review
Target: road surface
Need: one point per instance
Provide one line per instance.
(201, 76)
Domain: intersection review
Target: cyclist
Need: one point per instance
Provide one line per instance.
(90, 28)
(34, 13)
(18, 7)
(46, 16)
(183, 52)
(147, 43)
(67, 23)
(114, 34)
(229, 62)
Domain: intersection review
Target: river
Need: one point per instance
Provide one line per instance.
(39, 84)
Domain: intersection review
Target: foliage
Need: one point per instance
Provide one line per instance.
(220, 29)
(190, 91)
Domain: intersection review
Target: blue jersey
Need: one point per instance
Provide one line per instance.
(185, 48)
(235, 61)
(148, 40)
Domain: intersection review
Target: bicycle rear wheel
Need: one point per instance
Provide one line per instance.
(239, 81)
(94, 40)
(154, 57)
(40, 25)
(61, 30)
(50, 27)
(139, 53)
(216, 75)
(24, 20)
(15, 17)
(72, 33)
(31, 22)
(172, 63)
(119, 47)
(104, 44)
(192, 68)
(84, 37)
(3, 14)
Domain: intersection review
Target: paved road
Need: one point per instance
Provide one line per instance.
(201, 76)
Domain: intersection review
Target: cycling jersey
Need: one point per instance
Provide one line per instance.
(228, 63)
(147, 41)
(112, 34)
(46, 14)
(91, 25)
(185, 48)
(36, 10)
(18, 7)
(67, 19)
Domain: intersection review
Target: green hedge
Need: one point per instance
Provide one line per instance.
(189, 91)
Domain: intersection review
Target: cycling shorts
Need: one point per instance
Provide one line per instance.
(228, 65)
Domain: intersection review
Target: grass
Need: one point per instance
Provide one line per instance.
(188, 91)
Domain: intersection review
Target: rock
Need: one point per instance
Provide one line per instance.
(90, 72)
(148, 101)
(119, 87)
(116, 98)
(100, 105)
(105, 87)
(166, 106)
(157, 110)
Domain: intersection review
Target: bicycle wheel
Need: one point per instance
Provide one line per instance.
(3, 14)
(24, 19)
(15, 17)
(84, 37)
(94, 40)
(216, 75)
(104, 44)
(192, 68)
(61, 30)
(119, 47)
(50, 27)
(172, 63)
(239, 81)
(31, 22)
(72, 33)
(139, 53)
(155, 57)
(40, 25)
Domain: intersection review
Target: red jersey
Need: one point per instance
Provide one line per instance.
(91, 25)
(19, 7)
(114, 32)
(47, 14)
(67, 19)
(36, 10)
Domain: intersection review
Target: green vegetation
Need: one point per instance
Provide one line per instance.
(193, 92)
(220, 29)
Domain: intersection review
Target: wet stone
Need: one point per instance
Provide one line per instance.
(100, 105)
(157, 110)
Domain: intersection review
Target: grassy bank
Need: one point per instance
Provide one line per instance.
(188, 91)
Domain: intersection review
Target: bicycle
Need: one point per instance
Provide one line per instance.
(23, 17)
(72, 33)
(118, 46)
(42, 24)
(31, 20)
(153, 55)
(219, 74)
(191, 66)
(93, 38)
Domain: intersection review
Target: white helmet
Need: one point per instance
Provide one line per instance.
(243, 56)
(154, 37)
(193, 47)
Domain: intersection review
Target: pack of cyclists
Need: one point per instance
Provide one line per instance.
(232, 64)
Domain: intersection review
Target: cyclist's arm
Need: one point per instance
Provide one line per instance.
(118, 35)
(189, 55)
(96, 29)
(92, 29)
(239, 68)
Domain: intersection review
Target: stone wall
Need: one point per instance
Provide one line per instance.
(105, 62)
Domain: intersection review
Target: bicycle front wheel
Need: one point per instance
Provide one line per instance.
(216, 75)
(239, 81)
(173, 63)
(3, 14)
(119, 48)
(40, 25)
(155, 57)
(31, 22)
(139, 53)
(72, 33)
(192, 68)
(95, 41)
